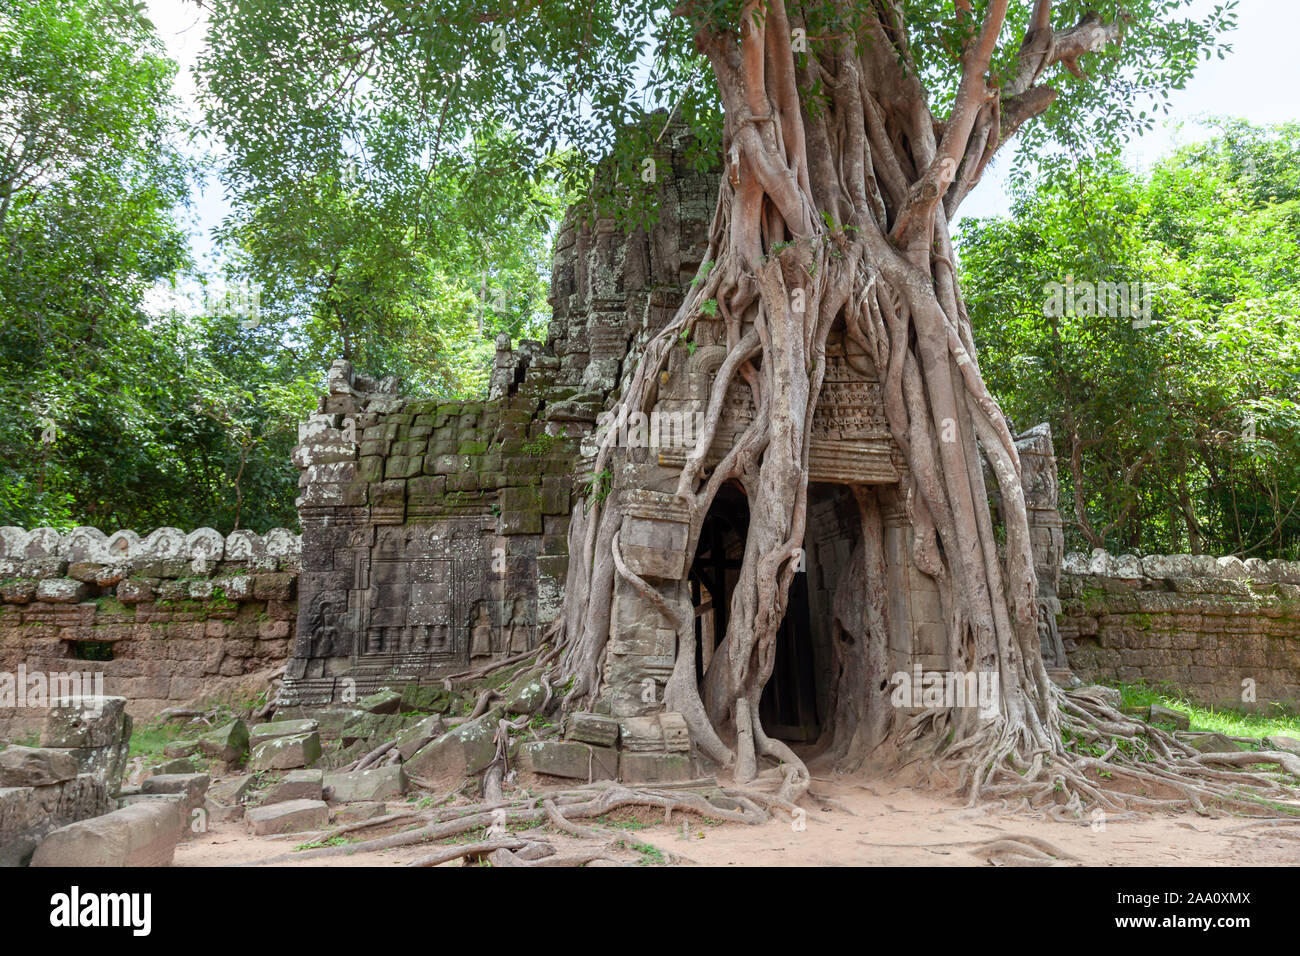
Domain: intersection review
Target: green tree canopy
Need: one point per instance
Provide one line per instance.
(87, 185)
(117, 415)
(402, 269)
(1182, 434)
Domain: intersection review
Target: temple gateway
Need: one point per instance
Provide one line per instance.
(435, 533)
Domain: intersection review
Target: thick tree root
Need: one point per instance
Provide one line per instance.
(485, 848)
(558, 809)
(1102, 757)
(1022, 851)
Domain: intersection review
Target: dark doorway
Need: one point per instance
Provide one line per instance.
(715, 570)
(788, 708)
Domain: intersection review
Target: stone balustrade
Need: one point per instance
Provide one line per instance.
(203, 546)
(1165, 566)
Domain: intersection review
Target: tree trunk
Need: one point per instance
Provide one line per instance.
(834, 213)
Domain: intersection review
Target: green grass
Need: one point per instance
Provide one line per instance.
(622, 824)
(649, 855)
(148, 740)
(1231, 723)
(319, 844)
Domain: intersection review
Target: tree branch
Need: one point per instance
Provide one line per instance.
(1023, 98)
(972, 95)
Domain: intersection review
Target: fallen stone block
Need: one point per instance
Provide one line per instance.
(231, 790)
(227, 743)
(525, 695)
(377, 783)
(221, 813)
(1212, 743)
(365, 726)
(331, 720)
(296, 785)
(106, 763)
(655, 768)
(383, 702)
(88, 722)
(1164, 715)
(592, 729)
(1285, 744)
(176, 801)
(410, 740)
(358, 812)
(191, 787)
(286, 753)
(142, 834)
(293, 816)
(570, 759)
(179, 765)
(463, 750)
(27, 814)
(224, 800)
(655, 733)
(96, 732)
(181, 748)
(35, 767)
(281, 728)
(425, 699)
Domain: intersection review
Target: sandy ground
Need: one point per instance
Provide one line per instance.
(873, 823)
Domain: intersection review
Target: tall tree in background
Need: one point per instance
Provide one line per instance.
(851, 133)
(1178, 430)
(380, 231)
(117, 413)
(88, 178)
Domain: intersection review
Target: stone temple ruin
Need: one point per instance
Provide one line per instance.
(434, 534)
(434, 546)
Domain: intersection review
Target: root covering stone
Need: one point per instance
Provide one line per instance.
(296, 785)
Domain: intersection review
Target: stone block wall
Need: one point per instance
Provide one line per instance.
(166, 619)
(435, 533)
(1205, 625)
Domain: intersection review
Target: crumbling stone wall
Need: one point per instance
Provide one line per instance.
(1224, 631)
(183, 617)
(435, 532)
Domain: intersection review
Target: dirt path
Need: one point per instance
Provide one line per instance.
(900, 826)
(876, 823)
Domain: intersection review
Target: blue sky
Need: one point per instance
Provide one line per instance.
(1259, 80)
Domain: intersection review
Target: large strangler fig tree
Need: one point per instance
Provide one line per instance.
(850, 134)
